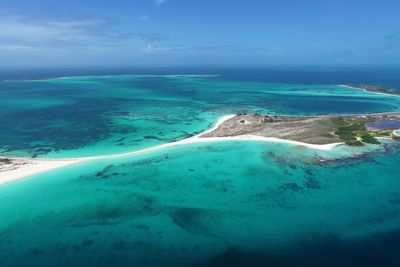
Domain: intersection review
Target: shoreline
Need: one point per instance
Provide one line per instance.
(369, 91)
(32, 167)
(28, 167)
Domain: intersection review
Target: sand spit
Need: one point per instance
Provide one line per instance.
(13, 169)
(368, 91)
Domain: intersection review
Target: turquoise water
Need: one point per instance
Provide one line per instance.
(210, 204)
(97, 115)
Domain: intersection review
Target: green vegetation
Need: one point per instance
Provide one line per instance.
(368, 138)
(352, 131)
(383, 133)
(354, 143)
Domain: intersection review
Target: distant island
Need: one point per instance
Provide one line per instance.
(374, 88)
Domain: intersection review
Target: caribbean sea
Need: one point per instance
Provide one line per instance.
(210, 204)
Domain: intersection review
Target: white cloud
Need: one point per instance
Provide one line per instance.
(211, 49)
(16, 48)
(21, 28)
(149, 49)
(24, 30)
(159, 2)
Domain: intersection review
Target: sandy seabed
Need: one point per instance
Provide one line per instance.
(32, 167)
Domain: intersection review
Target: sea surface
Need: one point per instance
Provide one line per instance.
(210, 204)
(95, 115)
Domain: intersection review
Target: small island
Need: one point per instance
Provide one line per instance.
(374, 88)
(353, 130)
(316, 132)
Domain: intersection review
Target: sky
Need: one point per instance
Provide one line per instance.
(199, 32)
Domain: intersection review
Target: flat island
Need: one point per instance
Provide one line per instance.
(352, 130)
(316, 132)
(374, 88)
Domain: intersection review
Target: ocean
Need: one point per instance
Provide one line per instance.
(230, 203)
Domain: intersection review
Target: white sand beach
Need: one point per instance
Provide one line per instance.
(368, 91)
(29, 167)
(25, 167)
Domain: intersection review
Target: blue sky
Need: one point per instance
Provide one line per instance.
(199, 32)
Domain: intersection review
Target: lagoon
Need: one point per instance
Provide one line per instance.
(228, 203)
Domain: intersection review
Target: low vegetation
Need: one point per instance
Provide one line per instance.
(382, 133)
(368, 138)
(352, 131)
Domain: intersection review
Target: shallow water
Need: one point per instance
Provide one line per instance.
(219, 204)
(210, 204)
(97, 115)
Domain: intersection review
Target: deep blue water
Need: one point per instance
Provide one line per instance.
(92, 115)
(221, 204)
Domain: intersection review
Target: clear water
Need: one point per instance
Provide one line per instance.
(97, 115)
(217, 204)
(220, 204)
